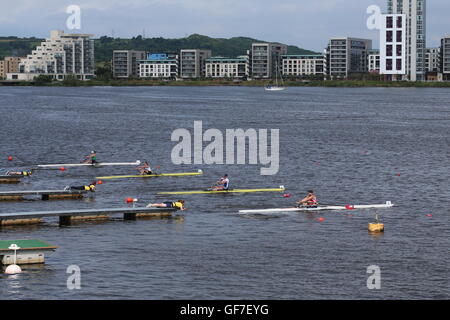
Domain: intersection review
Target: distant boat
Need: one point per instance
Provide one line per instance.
(276, 87)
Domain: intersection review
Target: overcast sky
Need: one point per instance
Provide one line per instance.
(304, 23)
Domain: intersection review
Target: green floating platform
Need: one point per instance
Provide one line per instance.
(30, 244)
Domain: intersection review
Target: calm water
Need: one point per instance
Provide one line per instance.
(347, 144)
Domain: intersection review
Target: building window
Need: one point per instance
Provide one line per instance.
(399, 64)
(399, 22)
(389, 22)
(389, 36)
(399, 36)
(389, 50)
(399, 50)
(388, 64)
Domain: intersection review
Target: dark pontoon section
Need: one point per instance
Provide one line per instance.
(44, 194)
(10, 179)
(66, 217)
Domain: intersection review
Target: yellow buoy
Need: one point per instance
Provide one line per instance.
(376, 227)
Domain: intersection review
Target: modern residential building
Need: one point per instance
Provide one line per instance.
(222, 67)
(193, 63)
(393, 54)
(9, 65)
(346, 56)
(433, 63)
(373, 61)
(159, 65)
(59, 56)
(433, 59)
(415, 30)
(266, 59)
(125, 63)
(303, 65)
(445, 58)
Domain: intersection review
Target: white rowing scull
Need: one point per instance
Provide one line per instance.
(99, 164)
(388, 204)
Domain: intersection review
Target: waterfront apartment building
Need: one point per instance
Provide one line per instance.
(433, 59)
(59, 56)
(445, 58)
(159, 66)
(393, 48)
(373, 61)
(125, 63)
(222, 67)
(193, 63)
(415, 30)
(303, 65)
(346, 56)
(266, 59)
(433, 63)
(9, 65)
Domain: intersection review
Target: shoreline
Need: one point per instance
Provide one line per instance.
(230, 83)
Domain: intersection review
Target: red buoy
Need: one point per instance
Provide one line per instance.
(429, 215)
(321, 219)
(398, 174)
(286, 195)
(349, 207)
(99, 182)
(10, 158)
(129, 200)
(62, 169)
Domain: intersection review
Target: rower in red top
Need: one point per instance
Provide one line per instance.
(309, 201)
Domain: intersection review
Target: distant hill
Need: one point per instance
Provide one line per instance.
(105, 45)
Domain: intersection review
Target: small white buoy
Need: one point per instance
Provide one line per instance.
(282, 187)
(13, 268)
(200, 171)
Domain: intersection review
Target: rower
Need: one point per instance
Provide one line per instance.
(92, 158)
(168, 204)
(309, 201)
(222, 184)
(145, 169)
(90, 187)
(20, 173)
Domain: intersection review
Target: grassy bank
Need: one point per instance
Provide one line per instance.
(253, 83)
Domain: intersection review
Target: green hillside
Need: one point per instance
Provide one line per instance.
(13, 46)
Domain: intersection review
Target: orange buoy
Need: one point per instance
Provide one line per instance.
(376, 227)
(129, 200)
(62, 169)
(321, 219)
(99, 182)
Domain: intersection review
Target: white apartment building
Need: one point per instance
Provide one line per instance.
(373, 61)
(222, 67)
(393, 46)
(415, 30)
(159, 66)
(60, 55)
(303, 65)
(433, 59)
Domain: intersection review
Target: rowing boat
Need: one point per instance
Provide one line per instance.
(388, 204)
(99, 164)
(180, 174)
(280, 189)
